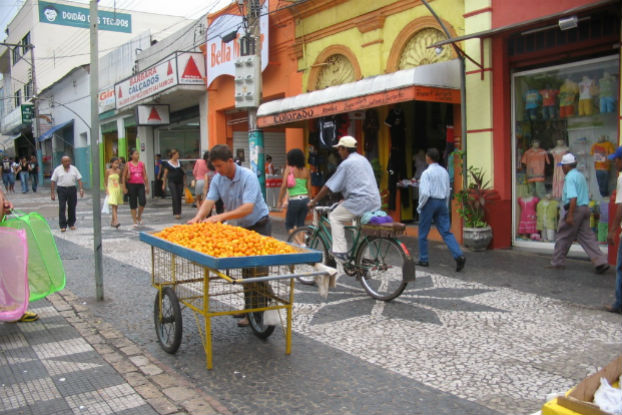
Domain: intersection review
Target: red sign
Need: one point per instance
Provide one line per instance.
(414, 93)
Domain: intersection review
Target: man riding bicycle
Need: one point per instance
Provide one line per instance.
(355, 180)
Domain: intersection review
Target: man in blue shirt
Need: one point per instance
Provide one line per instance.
(433, 196)
(355, 180)
(239, 189)
(575, 223)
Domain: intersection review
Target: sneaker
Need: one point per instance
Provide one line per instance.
(602, 268)
(460, 261)
(612, 309)
(423, 263)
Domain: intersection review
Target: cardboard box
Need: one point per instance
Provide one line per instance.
(579, 400)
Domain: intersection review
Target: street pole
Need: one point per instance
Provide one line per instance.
(255, 135)
(35, 105)
(95, 184)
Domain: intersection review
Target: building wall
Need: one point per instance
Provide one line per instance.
(509, 12)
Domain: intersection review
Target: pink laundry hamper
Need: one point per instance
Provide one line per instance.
(14, 291)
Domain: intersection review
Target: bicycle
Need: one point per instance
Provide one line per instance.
(377, 259)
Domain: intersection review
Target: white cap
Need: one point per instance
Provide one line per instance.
(346, 141)
(568, 158)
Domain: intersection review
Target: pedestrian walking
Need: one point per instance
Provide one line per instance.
(7, 173)
(199, 171)
(15, 170)
(157, 173)
(112, 182)
(298, 194)
(23, 174)
(434, 193)
(174, 173)
(239, 189)
(64, 180)
(33, 171)
(616, 307)
(136, 185)
(574, 222)
(211, 172)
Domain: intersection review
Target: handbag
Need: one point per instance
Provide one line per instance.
(188, 196)
(291, 180)
(14, 292)
(46, 274)
(106, 206)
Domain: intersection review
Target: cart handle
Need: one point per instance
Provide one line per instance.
(276, 277)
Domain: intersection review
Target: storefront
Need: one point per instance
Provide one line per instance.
(183, 135)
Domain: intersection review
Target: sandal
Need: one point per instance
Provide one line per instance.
(243, 323)
(29, 316)
(63, 229)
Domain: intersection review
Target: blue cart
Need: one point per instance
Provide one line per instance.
(258, 286)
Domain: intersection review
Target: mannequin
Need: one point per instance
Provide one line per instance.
(607, 92)
(600, 150)
(567, 97)
(532, 102)
(558, 174)
(586, 89)
(535, 159)
(548, 102)
(547, 216)
(528, 220)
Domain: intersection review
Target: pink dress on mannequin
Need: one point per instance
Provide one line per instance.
(528, 218)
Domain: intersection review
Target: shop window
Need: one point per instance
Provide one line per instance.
(566, 108)
(16, 55)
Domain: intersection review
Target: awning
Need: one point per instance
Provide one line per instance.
(49, 133)
(437, 82)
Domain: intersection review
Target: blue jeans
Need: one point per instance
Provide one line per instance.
(23, 177)
(618, 303)
(436, 209)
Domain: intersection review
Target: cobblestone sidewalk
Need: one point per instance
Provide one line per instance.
(69, 362)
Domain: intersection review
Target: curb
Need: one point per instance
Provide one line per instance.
(157, 383)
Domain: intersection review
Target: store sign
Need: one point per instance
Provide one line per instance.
(105, 100)
(191, 68)
(148, 82)
(419, 93)
(64, 15)
(156, 114)
(28, 113)
(220, 57)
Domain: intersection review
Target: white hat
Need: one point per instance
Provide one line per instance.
(346, 141)
(568, 158)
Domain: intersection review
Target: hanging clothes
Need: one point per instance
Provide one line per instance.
(528, 218)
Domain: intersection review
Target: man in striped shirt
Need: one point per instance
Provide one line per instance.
(433, 197)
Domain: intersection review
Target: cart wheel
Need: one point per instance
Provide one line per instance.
(256, 319)
(168, 327)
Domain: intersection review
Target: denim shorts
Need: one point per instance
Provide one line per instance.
(296, 213)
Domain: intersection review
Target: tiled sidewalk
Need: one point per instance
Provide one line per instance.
(67, 362)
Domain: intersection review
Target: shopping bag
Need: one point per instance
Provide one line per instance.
(291, 180)
(14, 292)
(188, 195)
(46, 274)
(106, 206)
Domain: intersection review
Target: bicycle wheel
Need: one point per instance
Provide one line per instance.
(381, 263)
(255, 319)
(168, 323)
(306, 238)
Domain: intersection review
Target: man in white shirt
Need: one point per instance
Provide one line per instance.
(64, 179)
(433, 196)
(355, 180)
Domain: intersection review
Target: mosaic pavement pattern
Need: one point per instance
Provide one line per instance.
(501, 348)
(62, 376)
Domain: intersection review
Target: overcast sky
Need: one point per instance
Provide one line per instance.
(186, 8)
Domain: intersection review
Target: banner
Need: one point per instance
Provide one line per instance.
(220, 57)
(146, 83)
(191, 68)
(61, 14)
(153, 114)
(105, 100)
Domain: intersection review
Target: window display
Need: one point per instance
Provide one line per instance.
(556, 110)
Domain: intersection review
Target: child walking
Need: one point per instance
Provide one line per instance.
(113, 190)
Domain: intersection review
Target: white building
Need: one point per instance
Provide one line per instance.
(59, 34)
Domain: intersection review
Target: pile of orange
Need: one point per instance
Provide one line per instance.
(223, 241)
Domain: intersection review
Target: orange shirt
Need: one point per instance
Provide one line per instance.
(600, 151)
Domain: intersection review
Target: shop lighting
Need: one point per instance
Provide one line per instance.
(566, 23)
(230, 36)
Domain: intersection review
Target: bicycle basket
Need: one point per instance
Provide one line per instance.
(46, 274)
(385, 230)
(14, 290)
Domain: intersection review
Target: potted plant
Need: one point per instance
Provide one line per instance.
(472, 200)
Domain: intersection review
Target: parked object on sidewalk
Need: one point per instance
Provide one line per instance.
(46, 274)
(580, 399)
(14, 292)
